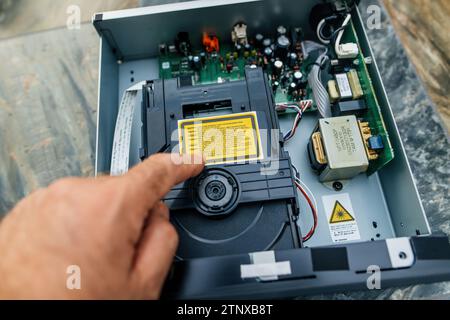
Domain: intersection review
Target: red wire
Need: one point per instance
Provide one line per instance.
(303, 107)
(313, 210)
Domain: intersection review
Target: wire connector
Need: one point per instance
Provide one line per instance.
(347, 51)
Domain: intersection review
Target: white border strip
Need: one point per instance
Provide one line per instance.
(180, 6)
(266, 270)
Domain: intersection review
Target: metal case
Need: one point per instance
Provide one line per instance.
(344, 147)
(395, 234)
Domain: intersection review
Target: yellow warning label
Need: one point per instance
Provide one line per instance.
(222, 139)
(340, 214)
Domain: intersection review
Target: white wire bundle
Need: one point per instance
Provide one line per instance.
(340, 34)
(320, 93)
(319, 36)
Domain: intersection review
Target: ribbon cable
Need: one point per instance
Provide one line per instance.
(120, 158)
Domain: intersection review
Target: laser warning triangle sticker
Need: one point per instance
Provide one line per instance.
(340, 214)
(341, 218)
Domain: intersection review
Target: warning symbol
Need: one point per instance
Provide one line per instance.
(341, 218)
(340, 214)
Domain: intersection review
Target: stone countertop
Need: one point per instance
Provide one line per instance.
(420, 25)
(48, 97)
(425, 140)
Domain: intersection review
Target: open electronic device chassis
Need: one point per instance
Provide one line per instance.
(313, 190)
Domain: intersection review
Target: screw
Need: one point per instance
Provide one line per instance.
(338, 186)
(402, 255)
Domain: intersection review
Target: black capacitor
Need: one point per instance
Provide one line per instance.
(267, 42)
(278, 66)
(292, 59)
(292, 87)
(275, 86)
(268, 52)
(190, 60)
(203, 57)
(183, 43)
(281, 30)
(296, 35)
(300, 80)
(298, 76)
(282, 47)
(259, 38)
(248, 47)
(197, 63)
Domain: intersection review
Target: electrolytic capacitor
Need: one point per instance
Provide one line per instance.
(282, 47)
(292, 87)
(281, 30)
(278, 67)
(298, 76)
(301, 80)
(229, 67)
(197, 63)
(293, 59)
(268, 52)
(259, 40)
(275, 86)
(296, 35)
(267, 42)
(203, 57)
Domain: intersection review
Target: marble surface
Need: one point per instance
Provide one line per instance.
(18, 17)
(48, 95)
(422, 28)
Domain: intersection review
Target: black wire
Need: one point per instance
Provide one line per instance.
(334, 36)
(325, 24)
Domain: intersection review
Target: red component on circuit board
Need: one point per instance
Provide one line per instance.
(211, 43)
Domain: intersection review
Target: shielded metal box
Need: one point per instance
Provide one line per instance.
(344, 148)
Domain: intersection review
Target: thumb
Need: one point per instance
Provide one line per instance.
(155, 253)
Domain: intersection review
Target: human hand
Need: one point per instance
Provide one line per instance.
(115, 229)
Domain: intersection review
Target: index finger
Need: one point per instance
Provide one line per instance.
(150, 181)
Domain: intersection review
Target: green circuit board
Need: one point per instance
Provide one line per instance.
(373, 115)
(214, 70)
(174, 65)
